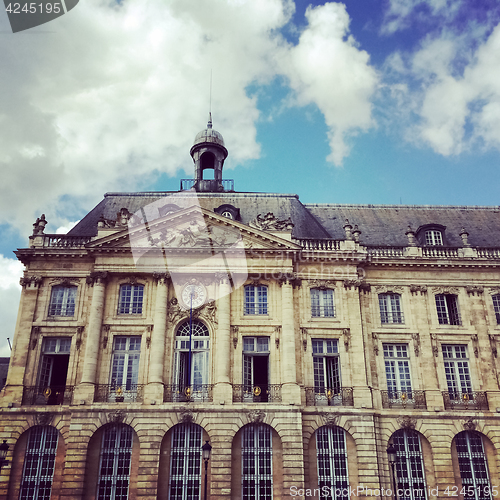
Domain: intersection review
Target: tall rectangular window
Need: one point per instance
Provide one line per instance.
(257, 461)
(62, 301)
(255, 299)
(185, 462)
(326, 367)
(131, 297)
(496, 306)
(447, 309)
(125, 366)
(256, 368)
(456, 366)
(39, 461)
(390, 308)
(114, 463)
(397, 370)
(322, 303)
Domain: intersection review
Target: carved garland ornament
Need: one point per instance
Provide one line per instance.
(389, 289)
(445, 290)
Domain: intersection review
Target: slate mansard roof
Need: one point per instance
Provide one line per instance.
(380, 225)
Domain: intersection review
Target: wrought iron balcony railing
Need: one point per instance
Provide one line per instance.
(53, 395)
(326, 396)
(112, 393)
(473, 400)
(208, 184)
(174, 393)
(404, 399)
(270, 393)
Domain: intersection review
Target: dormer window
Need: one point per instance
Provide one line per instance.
(227, 214)
(229, 211)
(431, 235)
(433, 238)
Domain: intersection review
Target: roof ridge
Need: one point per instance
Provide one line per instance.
(428, 207)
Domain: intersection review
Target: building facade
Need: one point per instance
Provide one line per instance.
(300, 341)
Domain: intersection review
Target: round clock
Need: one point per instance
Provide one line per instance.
(194, 295)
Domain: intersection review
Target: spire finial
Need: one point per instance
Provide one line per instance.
(209, 125)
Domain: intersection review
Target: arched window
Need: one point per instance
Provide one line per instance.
(114, 463)
(256, 460)
(473, 465)
(332, 460)
(192, 347)
(39, 461)
(131, 297)
(185, 462)
(410, 475)
(62, 300)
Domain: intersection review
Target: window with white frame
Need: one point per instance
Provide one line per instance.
(322, 303)
(256, 368)
(410, 472)
(456, 367)
(326, 368)
(397, 370)
(473, 465)
(447, 309)
(332, 461)
(496, 307)
(62, 300)
(114, 463)
(185, 462)
(39, 462)
(257, 462)
(390, 308)
(130, 301)
(125, 364)
(192, 348)
(255, 299)
(433, 237)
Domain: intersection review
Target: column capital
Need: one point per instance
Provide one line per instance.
(31, 282)
(161, 278)
(98, 277)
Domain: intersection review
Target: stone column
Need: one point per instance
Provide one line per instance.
(154, 390)
(222, 389)
(24, 332)
(85, 391)
(290, 390)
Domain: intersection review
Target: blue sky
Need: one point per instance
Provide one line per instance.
(366, 101)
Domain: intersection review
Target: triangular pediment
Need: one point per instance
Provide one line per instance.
(189, 229)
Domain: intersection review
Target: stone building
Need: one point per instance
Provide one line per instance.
(299, 340)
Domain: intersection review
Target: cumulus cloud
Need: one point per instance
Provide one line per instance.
(10, 291)
(326, 68)
(111, 95)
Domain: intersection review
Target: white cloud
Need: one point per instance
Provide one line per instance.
(327, 69)
(66, 228)
(110, 95)
(10, 292)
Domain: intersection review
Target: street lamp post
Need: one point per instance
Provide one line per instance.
(206, 448)
(391, 453)
(4, 448)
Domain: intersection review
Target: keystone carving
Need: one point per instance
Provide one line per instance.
(330, 419)
(117, 417)
(186, 416)
(256, 416)
(469, 424)
(44, 418)
(406, 422)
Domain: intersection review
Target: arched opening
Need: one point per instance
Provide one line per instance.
(112, 463)
(181, 475)
(257, 463)
(332, 460)
(207, 162)
(37, 465)
(474, 464)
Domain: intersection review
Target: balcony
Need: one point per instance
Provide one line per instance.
(473, 400)
(54, 395)
(404, 399)
(112, 393)
(208, 185)
(185, 394)
(270, 393)
(329, 396)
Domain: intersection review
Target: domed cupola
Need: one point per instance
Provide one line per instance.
(208, 153)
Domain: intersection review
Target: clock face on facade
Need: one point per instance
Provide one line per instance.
(194, 295)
